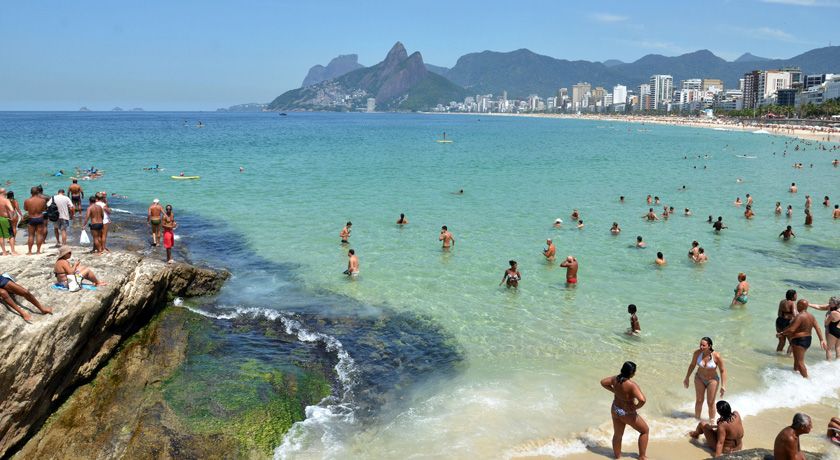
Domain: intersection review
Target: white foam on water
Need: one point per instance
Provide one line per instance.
(121, 211)
(325, 421)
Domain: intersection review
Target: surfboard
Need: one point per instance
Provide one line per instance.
(444, 141)
(185, 177)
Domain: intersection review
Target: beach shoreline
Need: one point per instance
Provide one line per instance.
(805, 132)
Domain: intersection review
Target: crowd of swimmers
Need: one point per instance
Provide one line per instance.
(793, 325)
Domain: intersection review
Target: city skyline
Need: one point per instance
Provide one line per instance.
(206, 55)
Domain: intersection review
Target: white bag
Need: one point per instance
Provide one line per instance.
(84, 239)
(73, 283)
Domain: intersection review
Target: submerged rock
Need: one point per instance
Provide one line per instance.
(762, 454)
(45, 361)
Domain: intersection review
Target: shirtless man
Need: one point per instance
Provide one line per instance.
(35, 206)
(799, 333)
(447, 238)
(95, 215)
(153, 217)
(718, 225)
(701, 256)
(550, 251)
(786, 445)
(651, 216)
(571, 266)
(76, 195)
(787, 233)
(748, 213)
(6, 213)
(784, 316)
(749, 200)
(793, 188)
(352, 264)
(345, 233)
(808, 201)
(836, 213)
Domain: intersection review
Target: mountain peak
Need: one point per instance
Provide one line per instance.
(749, 57)
(397, 53)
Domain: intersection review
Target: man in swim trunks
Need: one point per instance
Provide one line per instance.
(95, 215)
(718, 225)
(571, 265)
(785, 315)
(786, 445)
(787, 234)
(651, 216)
(169, 225)
(345, 233)
(836, 213)
(352, 264)
(153, 217)
(550, 251)
(447, 238)
(7, 211)
(76, 195)
(799, 333)
(35, 206)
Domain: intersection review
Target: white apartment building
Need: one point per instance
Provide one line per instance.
(662, 90)
(619, 94)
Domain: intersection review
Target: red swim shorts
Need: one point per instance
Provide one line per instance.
(571, 280)
(168, 240)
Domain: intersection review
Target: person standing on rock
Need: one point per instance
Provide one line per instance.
(102, 202)
(65, 215)
(154, 219)
(35, 206)
(8, 286)
(94, 215)
(169, 226)
(6, 213)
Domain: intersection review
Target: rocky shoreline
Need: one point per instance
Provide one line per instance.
(44, 362)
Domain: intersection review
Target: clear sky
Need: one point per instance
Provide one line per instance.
(201, 55)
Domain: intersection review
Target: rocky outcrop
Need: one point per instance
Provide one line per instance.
(763, 454)
(337, 67)
(42, 363)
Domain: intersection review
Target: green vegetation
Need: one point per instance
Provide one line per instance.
(826, 109)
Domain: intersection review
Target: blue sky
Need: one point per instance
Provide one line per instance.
(201, 55)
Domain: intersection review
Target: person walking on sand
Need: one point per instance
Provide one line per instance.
(511, 276)
(9, 287)
(65, 215)
(786, 445)
(94, 215)
(169, 226)
(154, 217)
(447, 238)
(725, 437)
(706, 380)
(76, 195)
(628, 399)
(35, 206)
(742, 291)
(550, 251)
(571, 266)
(345, 233)
(799, 334)
(352, 264)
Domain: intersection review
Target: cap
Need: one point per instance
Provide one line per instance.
(155, 201)
(63, 251)
(558, 221)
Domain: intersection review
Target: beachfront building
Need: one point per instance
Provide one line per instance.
(371, 104)
(771, 83)
(692, 84)
(661, 90)
(580, 92)
(731, 99)
(712, 84)
(750, 88)
(786, 96)
(645, 100)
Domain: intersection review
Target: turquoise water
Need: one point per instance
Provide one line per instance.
(533, 356)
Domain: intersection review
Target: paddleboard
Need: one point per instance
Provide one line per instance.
(442, 141)
(186, 177)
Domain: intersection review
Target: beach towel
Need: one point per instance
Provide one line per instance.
(61, 287)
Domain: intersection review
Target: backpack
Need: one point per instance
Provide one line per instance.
(52, 211)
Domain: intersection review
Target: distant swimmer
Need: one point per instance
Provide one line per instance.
(792, 188)
(635, 328)
(695, 249)
(737, 201)
(835, 163)
(787, 233)
(511, 276)
(241, 169)
(459, 192)
(571, 266)
(727, 435)
(799, 334)
(742, 291)
(826, 201)
(640, 243)
(660, 259)
(748, 212)
(580, 225)
(628, 399)
(749, 200)
(344, 234)
(649, 199)
(701, 257)
(550, 251)
(786, 444)
(402, 220)
(836, 213)
(558, 222)
(656, 200)
(447, 238)
(621, 199)
(706, 380)
(651, 216)
(352, 264)
(615, 229)
(778, 210)
(739, 180)
(809, 218)
(687, 212)
(575, 214)
(718, 225)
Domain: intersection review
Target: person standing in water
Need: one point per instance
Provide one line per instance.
(447, 238)
(345, 233)
(742, 291)
(628, 399)
(660, 259)
(352, 264)
(706, 380)
(511, 276)
(725, 437)
(784, 316)
(832, 328)
(571, 266)
(635, 328)
(787, 234)
(402, 220)
(799, 334)
(549, 251)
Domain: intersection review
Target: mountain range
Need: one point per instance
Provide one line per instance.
(523, 72)
(337, 67)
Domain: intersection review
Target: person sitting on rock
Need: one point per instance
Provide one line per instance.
(63, 269)
(9, 287)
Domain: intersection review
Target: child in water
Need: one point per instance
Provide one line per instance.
(635, 329)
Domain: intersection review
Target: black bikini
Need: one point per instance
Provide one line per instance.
(833, 329)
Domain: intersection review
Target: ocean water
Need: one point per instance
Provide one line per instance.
(531, 358)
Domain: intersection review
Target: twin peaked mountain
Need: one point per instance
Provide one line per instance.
(400, 82)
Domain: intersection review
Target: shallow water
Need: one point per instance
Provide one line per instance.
(532, 358)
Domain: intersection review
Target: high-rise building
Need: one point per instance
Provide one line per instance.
(817, 80)
(645, 99)
(692, 83)
(596, 96)
(661, 90)
(709, 83)
(752, 82)
(371, 104)
(774, 80)
(579, 92)
(619, 94)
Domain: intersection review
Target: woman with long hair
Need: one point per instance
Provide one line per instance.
(624, 410)
(706, 380)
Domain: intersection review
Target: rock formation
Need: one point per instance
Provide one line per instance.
(337, 67)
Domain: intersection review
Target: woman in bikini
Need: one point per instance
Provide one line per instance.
(706, 380)
(727, 435)
(832, 328)
(624, 411)
(63, 269)
(511, 276)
